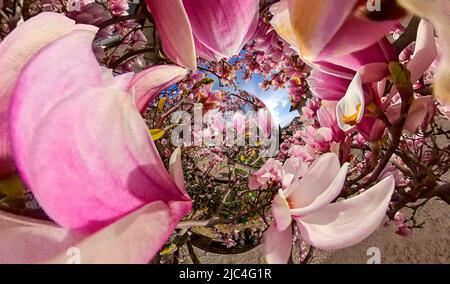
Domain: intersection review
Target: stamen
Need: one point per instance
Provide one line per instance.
(290, 203)
(352, 119)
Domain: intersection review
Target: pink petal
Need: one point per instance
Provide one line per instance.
(121, 82)
(223, 26)
(323, 31)
(281, 213)
(319, 186)
(205, 52)
(277, 245)
(102, 171)
(293, 169)
(265, 122)
(417, 113)
(15, 50)
(85, 151)
(26, 240)
(175, 31)
(376, 130)
(373, 72)
(315, 23)
(281, 22)
(325, 197)
(150, 82)
(176, 171)
(437, 12)
(425, 51)
(380, 52)
(333, 87)
(324, 134)
(357, 34)
(134, 239)
(37, 91)
(354, 97)
(350, 221)
(326, 86)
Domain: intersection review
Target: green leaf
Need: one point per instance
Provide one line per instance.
(12, 192)
(12, 187)
(401, 78)
(161, 103)
(169, 249)
(157, 133)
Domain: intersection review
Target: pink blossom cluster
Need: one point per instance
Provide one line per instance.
(269, 56)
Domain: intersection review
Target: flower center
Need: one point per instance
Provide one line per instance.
(297, 80)
(290, 203)
(352, 119)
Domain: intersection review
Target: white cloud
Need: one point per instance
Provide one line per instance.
(276, 101)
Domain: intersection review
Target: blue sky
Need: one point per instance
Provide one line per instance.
(276, 101)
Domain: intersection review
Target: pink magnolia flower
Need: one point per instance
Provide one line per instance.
(352, 108)
(437, 12)
(274, 172)
(401, 224)
(269, 173)
(323, 224)
(215, 123)
(89, 12)
(331, 78)
(362, 99)
(265, 122)
(338, 63)
(419, 115)
(305, 152)
(118, 7)
(210, 99)
(211, 29)
(326, 115)
(425, 51)
(310, 109)
(82, 147)
(318, 138)
(239, 121)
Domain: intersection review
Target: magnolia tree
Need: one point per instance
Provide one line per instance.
(126, 134)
